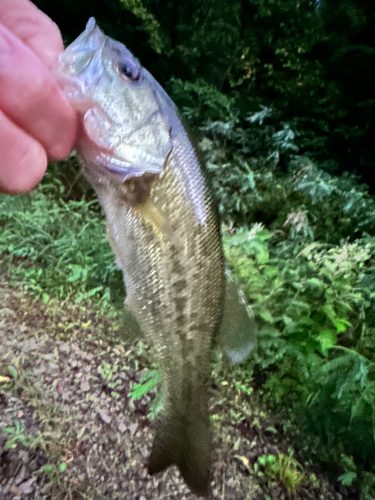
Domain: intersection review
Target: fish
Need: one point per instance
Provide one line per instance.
(164, 231)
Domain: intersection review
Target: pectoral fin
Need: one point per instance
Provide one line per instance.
(154, 216)
(238, 329)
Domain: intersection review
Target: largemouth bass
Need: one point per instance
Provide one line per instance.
(164, 231)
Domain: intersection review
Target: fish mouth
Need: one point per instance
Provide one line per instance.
(133, 163)
(80, 65)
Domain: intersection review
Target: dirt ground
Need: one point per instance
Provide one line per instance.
(74, 433)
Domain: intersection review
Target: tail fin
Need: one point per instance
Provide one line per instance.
(185, 441)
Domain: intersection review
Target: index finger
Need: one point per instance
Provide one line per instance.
(33, 27)
(31, 98)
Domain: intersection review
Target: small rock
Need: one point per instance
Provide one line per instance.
(15, 490)
(85, 386)
(29, 345)
(133, 428)
(64, 347)
(24, 456)
(46, 488)
(107, 419)
(26, 486)
(41, 369)
(33, 466)
(122, 427)
(20, 476)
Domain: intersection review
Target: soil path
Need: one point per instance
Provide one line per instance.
(73, 432)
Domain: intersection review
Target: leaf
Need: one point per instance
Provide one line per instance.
(348, 478)
(47, 468)
(340, 363)
(12, 371)
(342, 325)
(62, 467)
(327, 339)
(302, 305)
(147, 383)
(329, 311)
(266, 316)
(315, 282)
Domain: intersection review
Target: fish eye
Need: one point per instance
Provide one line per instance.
(130, 71)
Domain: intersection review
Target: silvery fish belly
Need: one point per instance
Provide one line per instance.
(163, 228)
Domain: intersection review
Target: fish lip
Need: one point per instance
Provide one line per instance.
(86, 49)
(91, 24)
(105, 160)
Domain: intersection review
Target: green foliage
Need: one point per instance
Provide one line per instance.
(58, 247)
(258, 176)
(12, 371)
(107, 371)
(245, 156)
(280, 468)
(149, 24)
(199, 100)
(350, 474)
(150, 381)
(342, 207)
(368, 485)
(16, 435)
(53, 471)
(315, 314)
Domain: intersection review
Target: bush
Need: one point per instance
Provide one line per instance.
(315, 313)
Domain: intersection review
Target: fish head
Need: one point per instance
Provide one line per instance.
(123, 129)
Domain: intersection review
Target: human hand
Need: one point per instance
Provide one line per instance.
(36, 121)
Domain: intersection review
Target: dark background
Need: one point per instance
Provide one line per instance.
(312, 61)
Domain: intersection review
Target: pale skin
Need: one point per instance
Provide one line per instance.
(37, 124)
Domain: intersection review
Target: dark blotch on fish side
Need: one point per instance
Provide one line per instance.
(180, 303)
(179, 286)
(137, 191)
